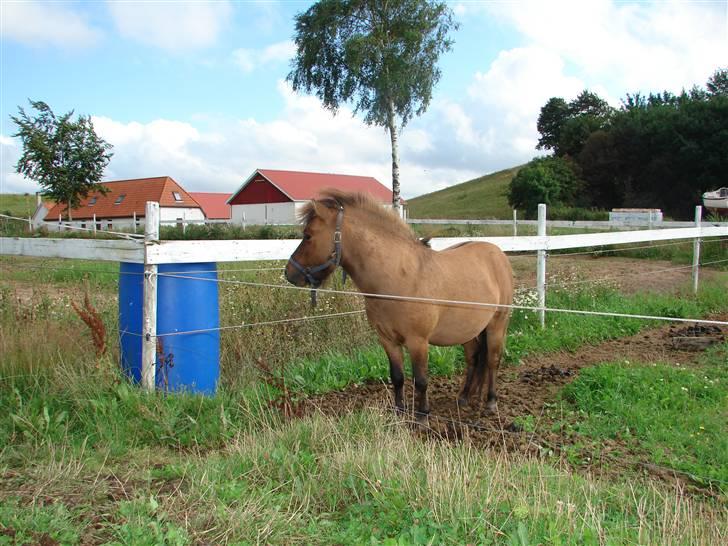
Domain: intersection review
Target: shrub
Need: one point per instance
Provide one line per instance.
(549, 180)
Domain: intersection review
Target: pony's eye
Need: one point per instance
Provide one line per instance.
(306, 236)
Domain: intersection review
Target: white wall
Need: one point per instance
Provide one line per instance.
(168, 215)
(266, 213)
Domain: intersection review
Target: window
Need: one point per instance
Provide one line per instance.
(98, 226)
(177, 196)
(109, 226)
(83, 225)
(93, 201)
(119, 199)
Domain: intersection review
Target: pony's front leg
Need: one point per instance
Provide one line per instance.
(396, 373)
(418, 356)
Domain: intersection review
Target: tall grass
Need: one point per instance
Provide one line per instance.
(87, 457)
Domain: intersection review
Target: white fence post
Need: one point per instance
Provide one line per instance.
(149, 308)
(94, 224)
(515, 223)
(541, 266)
(696, 249)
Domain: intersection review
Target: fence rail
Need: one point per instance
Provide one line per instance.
(279, 249)
(584, 224)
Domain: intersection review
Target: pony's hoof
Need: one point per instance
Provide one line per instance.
(422, 419)
(463, 402)
(491, 406)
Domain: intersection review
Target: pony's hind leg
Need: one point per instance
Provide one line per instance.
(471, 362)
(396, 372)
(495, 334)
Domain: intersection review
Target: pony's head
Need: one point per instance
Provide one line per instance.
(319, 252)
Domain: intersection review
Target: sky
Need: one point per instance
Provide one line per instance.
(197, 90)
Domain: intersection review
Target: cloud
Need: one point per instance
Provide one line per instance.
(172, 26)
(633, 46)
(250, 59)
(218, 154)
(46, 24)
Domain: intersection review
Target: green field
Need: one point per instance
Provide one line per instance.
(480, 198)
(86, 457)
(16, 204)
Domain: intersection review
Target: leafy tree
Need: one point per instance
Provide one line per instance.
(380, 54)
(565, 127)
(549, 180)
(718, 82)
(550, 123)
(66, 157)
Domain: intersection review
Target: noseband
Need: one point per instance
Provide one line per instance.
(334, 258)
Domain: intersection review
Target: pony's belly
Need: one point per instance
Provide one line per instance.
(459, 328)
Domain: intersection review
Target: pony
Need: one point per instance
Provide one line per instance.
(398, 273)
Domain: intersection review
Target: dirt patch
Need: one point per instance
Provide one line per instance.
(628, 275)
(524, 393)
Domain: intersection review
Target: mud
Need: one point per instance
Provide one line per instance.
(525, 394)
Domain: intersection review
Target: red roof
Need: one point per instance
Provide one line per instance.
(126, 197)
(214, 205)
(302, 186)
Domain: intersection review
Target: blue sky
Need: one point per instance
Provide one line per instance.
(197, 91)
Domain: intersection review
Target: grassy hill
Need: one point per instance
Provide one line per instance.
(483, 197)
(17, 204)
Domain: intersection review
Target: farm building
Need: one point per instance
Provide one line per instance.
(123, 207)
(273, 197)
(214, 205)
(41, 211)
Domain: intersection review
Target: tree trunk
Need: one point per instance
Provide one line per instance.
(392, 126)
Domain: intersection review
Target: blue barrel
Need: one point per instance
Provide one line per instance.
(185, 362)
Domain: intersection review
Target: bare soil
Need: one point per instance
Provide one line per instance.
(528, 390)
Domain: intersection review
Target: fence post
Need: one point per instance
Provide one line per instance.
(515, 223)
(696, 249)
(149, 308)
(94, 224)
(541, 266)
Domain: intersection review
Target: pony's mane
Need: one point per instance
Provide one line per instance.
(382, 218)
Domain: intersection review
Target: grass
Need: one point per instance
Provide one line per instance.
(483, 197)
(87, 457)
(18, 205)
(673, 414)
(360, 478)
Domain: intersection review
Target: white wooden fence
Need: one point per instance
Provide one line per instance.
(152, 252)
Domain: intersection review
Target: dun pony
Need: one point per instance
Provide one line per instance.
(383, 256)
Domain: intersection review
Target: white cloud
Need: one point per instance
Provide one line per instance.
(46, 24)
(218, 154)
(629, 47)
(250, 59)
(172, 26)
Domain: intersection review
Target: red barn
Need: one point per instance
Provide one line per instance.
(273, 197)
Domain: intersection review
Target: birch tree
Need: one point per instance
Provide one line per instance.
(380, 55)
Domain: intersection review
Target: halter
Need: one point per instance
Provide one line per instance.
(334, 259)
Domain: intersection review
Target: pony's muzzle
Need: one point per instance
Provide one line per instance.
(294, 276)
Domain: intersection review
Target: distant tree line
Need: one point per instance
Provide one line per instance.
(659, 150)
